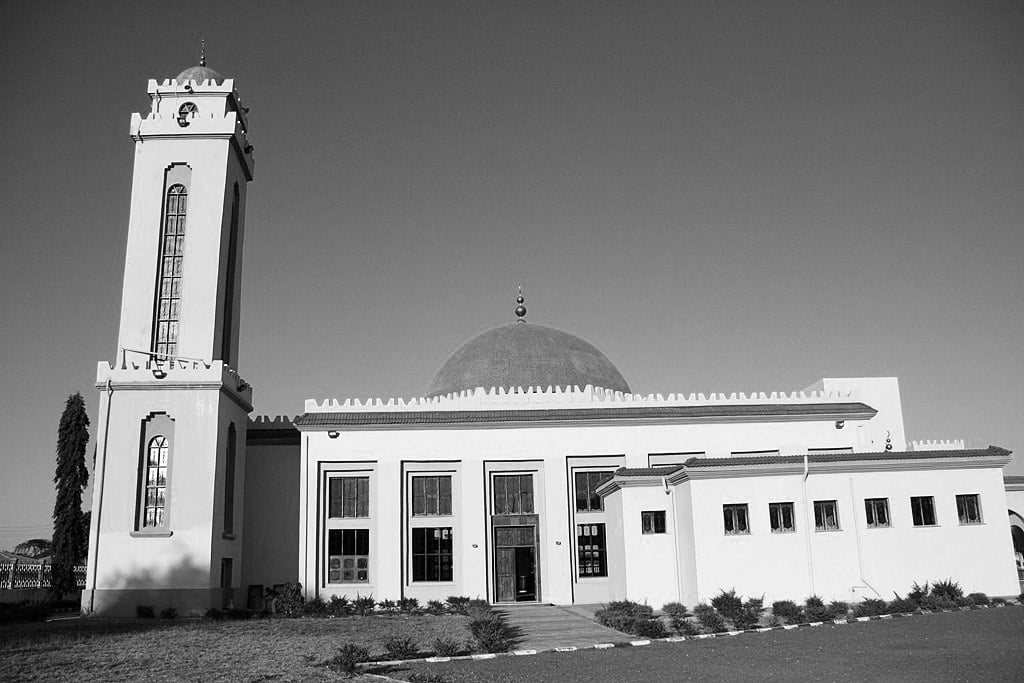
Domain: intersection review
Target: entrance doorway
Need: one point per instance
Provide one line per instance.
(515, 564)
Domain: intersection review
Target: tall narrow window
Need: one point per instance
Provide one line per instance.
(349, 497)
(513, 494)
(876, 511)
(593, 550)
(431, 496)
(169, 269)
(227, 327)
(781, 517)
(826, 515)
(968, 508)
(735, 519)
(432, 554)
(587, 483)
(229, 482)
(922, 508)
(155, 496)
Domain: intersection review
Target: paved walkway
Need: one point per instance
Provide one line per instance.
(545, 627)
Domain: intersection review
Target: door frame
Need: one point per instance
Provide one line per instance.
(499, 521)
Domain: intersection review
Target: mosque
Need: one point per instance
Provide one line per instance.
(529, 470)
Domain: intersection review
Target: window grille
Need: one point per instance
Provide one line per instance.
(432, 554)
(156, 483)
(169, 269)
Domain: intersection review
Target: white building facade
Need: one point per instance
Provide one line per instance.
(529, 472)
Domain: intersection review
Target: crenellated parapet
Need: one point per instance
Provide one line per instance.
(936, 445)
(576, 397)
(268, 422)
(173, 374)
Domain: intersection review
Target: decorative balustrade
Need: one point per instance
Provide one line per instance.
(16, 575)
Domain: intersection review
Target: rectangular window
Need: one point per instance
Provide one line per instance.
(782, 518)
(587, 483)
(590, 542)
(877, 512)
(968, 508)
(432, 554)
(653, 522)
(431, 496)
(349, 497)
(513, 494)
(736, 518)
(348, 556)
(923, 510)
(826, 515)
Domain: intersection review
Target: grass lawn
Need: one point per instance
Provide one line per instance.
(185, 650)
(981, 645)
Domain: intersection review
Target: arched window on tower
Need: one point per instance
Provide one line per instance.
(169, 272)
(155, 483)
(227, 324)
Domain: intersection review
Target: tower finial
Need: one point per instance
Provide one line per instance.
(520, 308)
(202, 51)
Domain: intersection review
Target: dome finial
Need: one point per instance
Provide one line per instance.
(202, 51)
(520, 308)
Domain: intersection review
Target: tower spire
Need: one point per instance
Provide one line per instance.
(202, 51)
(520, 308)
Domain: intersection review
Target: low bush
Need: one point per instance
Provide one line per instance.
(870, 608)
(788, 611)
(168, 613)
(315, 607)
(213, 614)
(998, 601)
(935, 603)
(918, 592)
(979, 598)
(631, 617)
(902, 606)
(816, 610)
(839, 609)
(964, 601)
(409, 606)
(400, 647)
(1020, 598)
(709, 618)
(348, 659)
(388, 606)
(145, 612)
(239, 614)
(749, 615)
(447, 647)
(435, 607)
(947, 588)
(289, 600)
(491, 633)
(728, 604)
(677, 615)
(339, 606)
(457, 604)
(364, 605)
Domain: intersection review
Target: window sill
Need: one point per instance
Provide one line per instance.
(827, 531)
(783, 531)
(591, 577)
(737, 533)
(880, 526)
(432, 583)
(926, 526)
(972, 523)
(228, 536)
(151, 534)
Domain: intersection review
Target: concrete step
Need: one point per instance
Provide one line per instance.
(545, 627)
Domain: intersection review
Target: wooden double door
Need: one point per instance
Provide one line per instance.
(515, 564)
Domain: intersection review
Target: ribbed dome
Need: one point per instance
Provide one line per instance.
(525, 355)
(199, 74)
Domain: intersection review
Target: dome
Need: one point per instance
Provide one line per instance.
(199, 74)
(522, 354)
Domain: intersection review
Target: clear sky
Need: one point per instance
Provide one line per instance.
(720, 196)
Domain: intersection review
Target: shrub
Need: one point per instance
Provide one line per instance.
(677, 615)
(749, 615)
(947, 589)
(1020, 598)
(364, 605)
(628, 607)
(447, 647)
(871, 608)
(348, 659)
(918, 592)
(213, 614)
(409, 605)
(631, 617)
(238, 614)
(400, 647)
(458, 604)
(289, 600)
(979, 598)
(144, 612)
(168, 613)
(315, 607)
(339, 606)
(491, 632)
(435, 607)
(648, 628)
(728, 604)
(788, 611)
(902, 605)
(388, 606)
(937, 602)
(709, 618)
(998, 601)
(839, 609)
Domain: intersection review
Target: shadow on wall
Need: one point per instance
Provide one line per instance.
(184, 586)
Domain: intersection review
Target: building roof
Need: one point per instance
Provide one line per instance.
(721, 413)
(843, 457)
(199, 74)
(523, 354)
(1013, 479)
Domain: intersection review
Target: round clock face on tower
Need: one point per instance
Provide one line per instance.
(187, 111)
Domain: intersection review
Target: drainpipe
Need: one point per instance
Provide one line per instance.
(675, 539)
(98, 512)
(856, 534)
(807, 526)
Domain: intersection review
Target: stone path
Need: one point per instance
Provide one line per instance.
(545, 627)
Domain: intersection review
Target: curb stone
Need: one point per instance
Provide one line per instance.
(669, 639)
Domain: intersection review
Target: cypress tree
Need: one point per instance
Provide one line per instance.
(69, 539)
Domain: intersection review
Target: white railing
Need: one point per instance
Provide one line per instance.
(16, 575)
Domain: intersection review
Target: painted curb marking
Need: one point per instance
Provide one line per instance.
(603, 646)
(638, 643)
(568, 648)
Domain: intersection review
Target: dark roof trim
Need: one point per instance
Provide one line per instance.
(844, 457)
(574, 416)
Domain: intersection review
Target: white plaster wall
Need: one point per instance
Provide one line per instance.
(882, 394)
(890, 559)
(651, 560)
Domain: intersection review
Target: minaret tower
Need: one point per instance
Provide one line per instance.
(167, 505)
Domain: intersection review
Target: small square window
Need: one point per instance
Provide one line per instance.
(968, 508)
(922, 508)
(653, 522)
(735, 517)
(876, 511)
(826, 515)
(782, 518)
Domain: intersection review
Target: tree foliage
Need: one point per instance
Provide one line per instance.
(70, 539)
